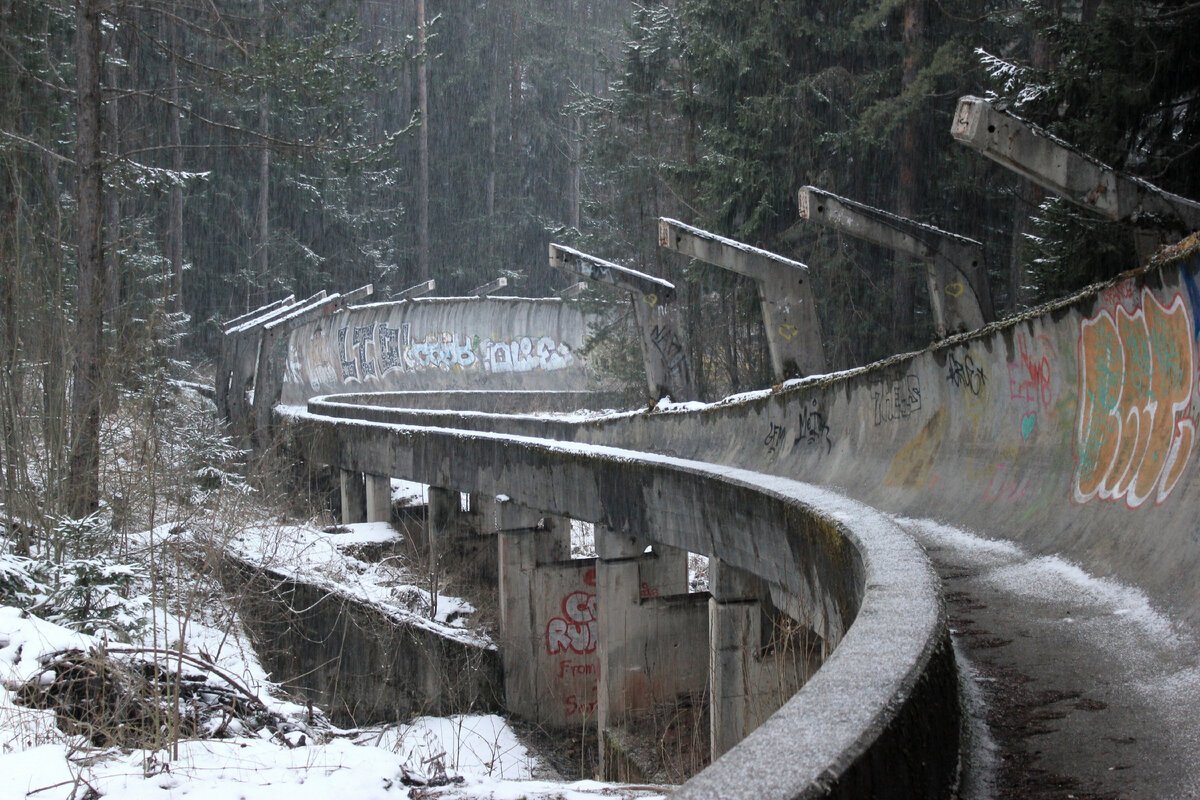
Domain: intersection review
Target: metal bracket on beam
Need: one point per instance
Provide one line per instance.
(1084, 181)
(784, 294)
(420, 290)
(955, 270)
(663, 352)
(488, 288)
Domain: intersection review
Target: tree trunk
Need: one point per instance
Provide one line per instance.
(423, 145)
(84, 471)
(175, 201)
(262, 221)
(908, 187)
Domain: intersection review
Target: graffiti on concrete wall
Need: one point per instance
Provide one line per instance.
(812, 429)
(364, 352)
(571, 640)
(670, 349)
(896, 399)
(575, 630)
(1136, 383)
(966, 374)
(1029, 380)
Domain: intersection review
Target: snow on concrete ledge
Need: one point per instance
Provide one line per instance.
(879, 718)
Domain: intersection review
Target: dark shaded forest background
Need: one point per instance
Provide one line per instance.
(223, 153)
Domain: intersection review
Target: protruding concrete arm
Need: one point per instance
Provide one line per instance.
(420, 290)
(255, 323)
(784, 294)
(488, 288)
(597, 269)
(1055, 165)
(912, 238)
(258, 312)
(668, 372)
(955, 269)
(728, 253)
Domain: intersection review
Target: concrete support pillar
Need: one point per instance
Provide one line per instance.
(734, 624)
(624, 689)
(547, 620)
(354, 497)
(442, 519)
(379, 498)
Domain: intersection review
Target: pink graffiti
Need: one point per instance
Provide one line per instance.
(575, 630)
(1029, 378)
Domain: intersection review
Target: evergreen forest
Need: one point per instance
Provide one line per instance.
(167, 165)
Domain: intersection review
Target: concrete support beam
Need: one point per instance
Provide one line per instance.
(784, 294)
(664, 353)
(547, 622)
(758, 658)
(379, 498)
(1084, 181)
(420, 290)
(238, 360)
(354, 497)
(443, 519)
(733, 628)
(272, 352)
(955, 269)
(488, 288)
(258, 312)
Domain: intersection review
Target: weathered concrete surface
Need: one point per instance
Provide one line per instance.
(861, 586)
(1088, 692)
(357, 662)
(439, 343)
(1069, 432)
(784, 293)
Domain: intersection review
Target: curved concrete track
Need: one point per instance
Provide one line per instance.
(1056, 452)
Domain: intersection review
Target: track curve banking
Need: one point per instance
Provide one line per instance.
(1068, 431)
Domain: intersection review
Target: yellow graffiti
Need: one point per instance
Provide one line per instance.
(912, 468)
(651, 299)
(1136, 379)
(955, 289)
(789, 332)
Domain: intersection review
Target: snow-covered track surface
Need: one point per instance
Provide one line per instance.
(887, 690)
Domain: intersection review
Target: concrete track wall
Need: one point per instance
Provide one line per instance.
(439, 343)
(1070, 430)
(887, 691)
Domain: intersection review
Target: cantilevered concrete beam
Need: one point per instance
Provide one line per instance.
(272, 352)
(420, 290)
(784, 293)
(663, 350)
(488, 288)
(1055, 165)
(954, 265)
(258, 312)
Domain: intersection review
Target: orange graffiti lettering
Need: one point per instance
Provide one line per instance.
(1136, 379)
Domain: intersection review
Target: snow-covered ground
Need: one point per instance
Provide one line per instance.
(469, 756)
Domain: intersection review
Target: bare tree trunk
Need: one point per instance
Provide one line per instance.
(84, 472)
(903, 292)
(262, 220)
(175, 201)
(423, 272)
